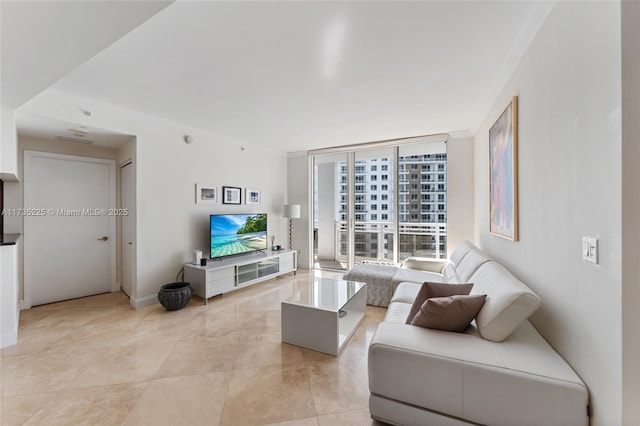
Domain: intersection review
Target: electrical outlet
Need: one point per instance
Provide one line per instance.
(590, 249)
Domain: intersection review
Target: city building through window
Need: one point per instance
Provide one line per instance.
(403, 216)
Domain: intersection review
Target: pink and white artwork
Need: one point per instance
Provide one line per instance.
(503, 173)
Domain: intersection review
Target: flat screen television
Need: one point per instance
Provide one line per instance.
(233, 234)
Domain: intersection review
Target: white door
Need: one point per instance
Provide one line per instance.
(127, 186)
(69, 227)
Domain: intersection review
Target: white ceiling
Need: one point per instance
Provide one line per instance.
(301, 75)
(46, 128)
(43, 41)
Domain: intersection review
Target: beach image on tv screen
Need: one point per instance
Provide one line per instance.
(238, 233)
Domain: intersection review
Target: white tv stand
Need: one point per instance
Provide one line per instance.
(230, 274)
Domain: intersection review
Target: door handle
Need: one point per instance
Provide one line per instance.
(105, 238)
(130, 243)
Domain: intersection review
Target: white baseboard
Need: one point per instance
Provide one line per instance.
(144, 302)
(9, 339)
(115, 287)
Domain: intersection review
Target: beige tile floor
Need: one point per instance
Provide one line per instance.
(97, 361)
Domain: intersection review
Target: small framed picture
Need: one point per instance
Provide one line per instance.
(231, 195)
(206, 193)
(252, 196)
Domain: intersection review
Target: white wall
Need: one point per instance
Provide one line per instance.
(126, 153)
(8, 145)
(568, 83)
(9, 311)
(169, 223)
(460, 214)
(9, 299)
(327, 210)
(630, 212)
(298, 193)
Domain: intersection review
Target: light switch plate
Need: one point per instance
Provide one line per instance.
(590, 249)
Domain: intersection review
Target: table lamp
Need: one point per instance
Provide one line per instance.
(291, 211)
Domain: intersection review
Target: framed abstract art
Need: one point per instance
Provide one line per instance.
(503, 173)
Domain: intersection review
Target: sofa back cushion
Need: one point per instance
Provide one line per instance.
(469, 264)
(461, 251)
(449, 274)
(509, 302)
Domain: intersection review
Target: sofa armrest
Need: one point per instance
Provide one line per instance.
(425, 264)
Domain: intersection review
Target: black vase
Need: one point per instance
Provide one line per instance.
(175, 296)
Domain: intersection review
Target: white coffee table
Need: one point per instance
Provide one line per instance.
(324, 315)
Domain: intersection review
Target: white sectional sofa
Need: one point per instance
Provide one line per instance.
(383, 278)
(500, 371)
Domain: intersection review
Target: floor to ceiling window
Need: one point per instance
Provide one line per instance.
(329, 213)
(422, 200)
(380, 203)
(374, 204)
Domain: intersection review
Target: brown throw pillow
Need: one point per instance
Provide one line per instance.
(453, 313)
(429, 290)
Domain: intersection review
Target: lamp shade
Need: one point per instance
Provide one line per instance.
(292, 211)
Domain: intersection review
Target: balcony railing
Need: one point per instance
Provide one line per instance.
(374, 240)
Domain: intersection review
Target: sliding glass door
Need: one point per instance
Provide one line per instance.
(330, 211)
(382, 203)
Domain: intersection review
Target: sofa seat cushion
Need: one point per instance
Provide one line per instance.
(415, 276)
(397, 312)
(473, 379)
(509, 302)
(406, 292)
